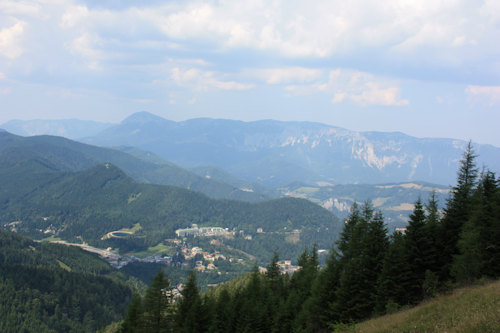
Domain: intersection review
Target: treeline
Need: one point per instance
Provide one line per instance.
(368, 272)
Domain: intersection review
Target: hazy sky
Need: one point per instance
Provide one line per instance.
(429, 68)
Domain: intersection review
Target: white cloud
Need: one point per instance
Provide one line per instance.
(201, 80)
(20, 7)
(73, 16)
(364, 89)
(9, 40)
(284, 75)
(5, 90)
(322, 28)
(87, 46)
(3, 76)
(483, 95)
(356, 87)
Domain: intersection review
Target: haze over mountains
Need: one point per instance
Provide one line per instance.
(68, 128)
(274, 152)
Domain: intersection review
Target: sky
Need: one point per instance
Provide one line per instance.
(428, 68)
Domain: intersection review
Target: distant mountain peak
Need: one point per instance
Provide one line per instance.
(142, 118)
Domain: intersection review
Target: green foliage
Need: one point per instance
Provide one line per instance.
(396, 277)
(36, 295)
(479, 243)
(157, 303)
(190, 315)
(458, 210)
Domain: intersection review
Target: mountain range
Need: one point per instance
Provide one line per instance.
(276, 153)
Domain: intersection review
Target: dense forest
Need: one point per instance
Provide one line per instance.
(56, 288)
(368, 273)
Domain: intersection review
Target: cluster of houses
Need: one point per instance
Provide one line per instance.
(203, 231)
(190, 253)
(119, 261)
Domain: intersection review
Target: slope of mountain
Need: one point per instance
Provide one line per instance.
(470, 309)
(68, 128)
(218, 174)
(395, 200)
(66, 155)
(274, 152)
(92, 203)
(55, 288)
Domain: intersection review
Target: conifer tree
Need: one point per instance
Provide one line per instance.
(133, 319)
(273, 271)
(376, 245)
(416, 243)
(361, 263)
(254, 316)
(301, 281)
(221, 321)
(395, 278)
(432, 224)
(476, 242)
(189, 313)
(347, 232)
(458, 210)
(317, 312)
(157, 305)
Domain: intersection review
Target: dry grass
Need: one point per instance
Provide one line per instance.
(472, 309)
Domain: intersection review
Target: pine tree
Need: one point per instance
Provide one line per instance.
(361, 263)
(157, 305)
(222, 314)
(301, 282)
(395, 278)
(254, 316)
(417, 242)
(133, 319)
(476, 241)
(347, 232)
(189, 310)
(432, 252)
(317, 312)
(458, 210)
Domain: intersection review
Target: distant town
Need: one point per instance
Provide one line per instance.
(185, 253)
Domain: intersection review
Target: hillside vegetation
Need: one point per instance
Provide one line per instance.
(471, 309)
(62, 154)
(55, 288)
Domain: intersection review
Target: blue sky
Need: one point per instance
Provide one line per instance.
(425, 68)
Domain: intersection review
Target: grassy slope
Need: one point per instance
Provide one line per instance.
(472, 309)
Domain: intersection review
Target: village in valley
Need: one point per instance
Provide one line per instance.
(184, 254)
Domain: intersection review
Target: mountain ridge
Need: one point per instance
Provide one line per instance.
(274, 152)
(68, 155)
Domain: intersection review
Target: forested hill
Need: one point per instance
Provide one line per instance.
(55, 288)
(66, 155)
(39, 201)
